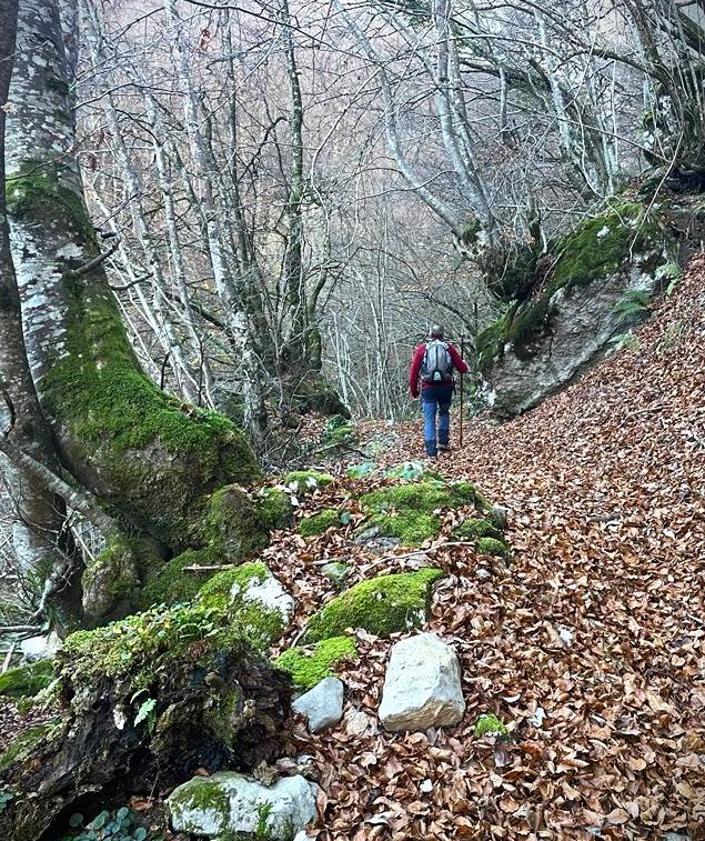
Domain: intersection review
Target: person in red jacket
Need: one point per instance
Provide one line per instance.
(432, 368)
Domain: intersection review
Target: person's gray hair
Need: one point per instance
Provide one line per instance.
(436, 331)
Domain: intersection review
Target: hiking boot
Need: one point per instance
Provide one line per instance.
(443, 448)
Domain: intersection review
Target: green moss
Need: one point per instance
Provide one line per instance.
(314, 394)
(596, 248)
(406, 511)
(26, 681)
(309, 667)
(491, 546)
(24, 743)
(473, 527)
(40, 191)
(489, 723)
(601, 245)
(201, 793)
(173, 584)
(303, 482)
(255, 622)
(134, 649)
(233, 525)
(318, 523)
(339, 430)
(381, 606)
(274, 509)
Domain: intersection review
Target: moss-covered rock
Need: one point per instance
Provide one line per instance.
(308, 667)
(408, 511)
(329, 518)
(302, 482)
(236, 526)
(597, 248)
(173, 583)
(492, 546)
(258, 606)
(339, 431)
(274, 509)
(336, 572)
(111, 585)
(381, 606)
(27, 681)
(474, 527)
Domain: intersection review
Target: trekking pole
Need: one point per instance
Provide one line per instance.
(462, 356)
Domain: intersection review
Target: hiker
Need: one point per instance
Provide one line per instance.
(433, 364)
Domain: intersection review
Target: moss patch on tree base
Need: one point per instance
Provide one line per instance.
(381, 606)
(308, 668)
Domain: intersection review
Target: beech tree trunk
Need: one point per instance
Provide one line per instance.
(41, 542)
(151, 459)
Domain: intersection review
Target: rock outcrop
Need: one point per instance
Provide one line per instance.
(422, 686)
(602, 276)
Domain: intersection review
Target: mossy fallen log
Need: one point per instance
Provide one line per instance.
(150, 698)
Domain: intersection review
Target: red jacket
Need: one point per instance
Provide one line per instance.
(417, 362)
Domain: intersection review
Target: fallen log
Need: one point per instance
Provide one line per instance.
(141, 703)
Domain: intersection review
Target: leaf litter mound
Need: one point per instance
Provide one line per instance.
(589, 644)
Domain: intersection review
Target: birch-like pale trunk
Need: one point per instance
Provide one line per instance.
(249, 369)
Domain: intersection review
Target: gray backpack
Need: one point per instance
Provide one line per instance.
(437, 365)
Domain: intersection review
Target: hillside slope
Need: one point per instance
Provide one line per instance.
(589, 645)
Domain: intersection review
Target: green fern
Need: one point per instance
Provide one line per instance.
(632, 303)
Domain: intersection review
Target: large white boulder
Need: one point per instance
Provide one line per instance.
(323, 705)
(230, 803)
(422, 685)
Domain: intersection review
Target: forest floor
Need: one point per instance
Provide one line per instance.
(589, 642)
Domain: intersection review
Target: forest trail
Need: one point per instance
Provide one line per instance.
(588, 643)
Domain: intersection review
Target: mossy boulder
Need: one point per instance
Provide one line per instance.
(274, 509)
(27, 681)
(381, 606)
(236, 526)
(474, 527)
(319, 523)
(309, 666)
(111, 585)
(409, 511)
(258, 606)
(303, 482)
(542, 342)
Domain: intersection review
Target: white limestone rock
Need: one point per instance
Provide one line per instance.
(323, 705)
(422, 686)
(228, 802)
